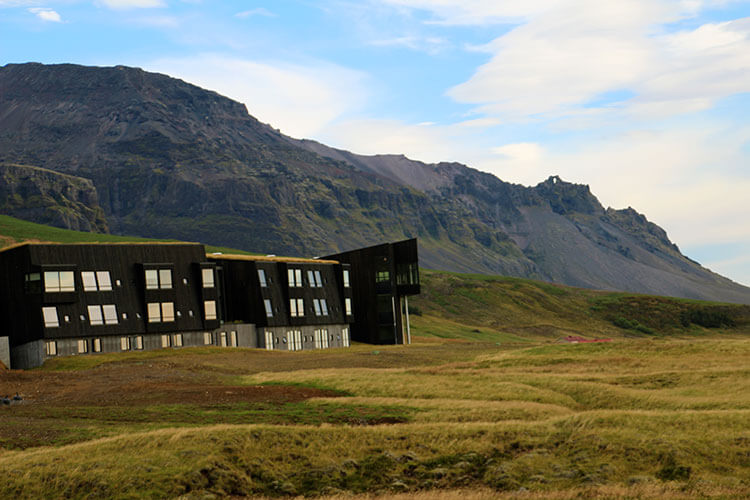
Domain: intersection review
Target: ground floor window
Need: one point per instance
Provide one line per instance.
(321, 338)
(97, 345)
(177, 340)
(50, 348)
(139, 342)
(207, 338)
(233, 339)
(124, 343)
(223, 339)
(269, 340)
(165, 341)
(345, 336)
(83, 346)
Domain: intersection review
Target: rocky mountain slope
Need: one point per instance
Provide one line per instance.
(169, 159)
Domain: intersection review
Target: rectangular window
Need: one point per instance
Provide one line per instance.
(88, 278)
(33, 283)
(324, 307)
(96, 345)
(223, 339)
(165, 341)
(233, 339)
(50, 317)
(348, 306)
(207, 276)
(316, 306)
(165, 278)
(152, 279)
(345, 336)
(382, 276)
(105, 283)
(154, 312)
(262, 278)
(295, 277)
(324, 338)
(95, 315)
(311, 278)
(208, 338)
(124, 343)
(346, 278)
(269, 309)
(316, 337)
(318, 279)
(59, 281)
(269, 340)
(293, 308)
(139, 342)
(83, 346)
(110, 314)
(167, 311)
(300, 307)
(177, 340)
(209, 309)
(50, 348)
(290, 275)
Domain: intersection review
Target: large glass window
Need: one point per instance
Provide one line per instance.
(209, 309)
(83, 346)
(50, 317)
(167, 311)
(207, 274)
(50, 348)
(295, 277)
(269, 309)
(348, 306)
(95, 315)
(154, 312)
(110, 314)
(262, 278)
(297, 307)
(59, 281)
(323, 307)
(346, 278)
(124, 343)
(316, 307)
(89, 281)
(158, 278)
(160, 312)
(104, 281)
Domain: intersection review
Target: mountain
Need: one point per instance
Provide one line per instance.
(168, 159)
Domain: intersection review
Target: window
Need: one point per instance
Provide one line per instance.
(346, 278)
(105, 283)
(348, 306)
(318, 279)
(160, 312)
(59, 281)
(95, 315)
(110, 314)
(345, 336)
(223, 339)
(295, 340)
(209, 309)
(83, 346)
(269, 309)
(321, 307)
(89, 281)
(33, 282)
(324, 307)
(96, 345)
(165, 341)
(297, 307)
(139, 342)
(50, 348)
(382, 277)
(295, 277)
(207, 275)
(262, 277)
(316, 306)
(321, 338)
(269, 340)
(167, 311)
(50, 317)
(233, 339)
(314, 278)
(311, 278)
(177, 340)
(208, 338)
(158, 278)
(124, 343)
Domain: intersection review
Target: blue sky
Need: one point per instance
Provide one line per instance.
(647, 101)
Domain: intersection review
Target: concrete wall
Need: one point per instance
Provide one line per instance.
(28, 355)
(5, 352)
(281, 336)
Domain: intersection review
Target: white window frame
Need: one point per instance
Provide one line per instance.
(95, 315)
(207, 277)
(109, 312)
(50, 348)
(59, 281)
(209, 310)
(50, 318)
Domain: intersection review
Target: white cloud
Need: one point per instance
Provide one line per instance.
(260, 11)
(132, 4)
(45, 14)
(300, 99)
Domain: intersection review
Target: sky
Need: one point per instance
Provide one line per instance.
(646, 101)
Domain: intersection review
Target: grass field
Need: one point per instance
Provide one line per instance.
(645, 418)
(485, 404)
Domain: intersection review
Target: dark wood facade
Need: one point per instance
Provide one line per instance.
(382, 278)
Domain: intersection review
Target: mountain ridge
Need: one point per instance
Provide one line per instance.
(169, 159)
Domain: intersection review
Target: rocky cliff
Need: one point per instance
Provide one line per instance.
(169, 159)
